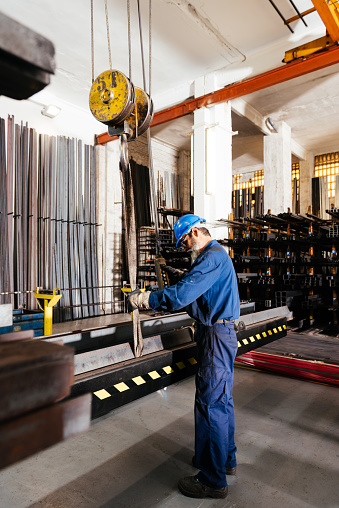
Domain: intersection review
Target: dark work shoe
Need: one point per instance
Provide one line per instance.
(191, 487)
(229, 470)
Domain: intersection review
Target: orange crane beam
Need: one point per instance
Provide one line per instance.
(328, 10)
(279, 75)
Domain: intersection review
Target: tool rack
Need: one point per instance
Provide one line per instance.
(289, 259)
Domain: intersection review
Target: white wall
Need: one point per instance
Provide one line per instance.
(71, 121)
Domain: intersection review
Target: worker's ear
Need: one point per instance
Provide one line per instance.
(195, 231)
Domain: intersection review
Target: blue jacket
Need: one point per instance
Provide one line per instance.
(208, 292)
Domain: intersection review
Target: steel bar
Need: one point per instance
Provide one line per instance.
(10, 205)
(87, 220)
(298, 12)
(4, 251)
(81, 236)
(94, 256)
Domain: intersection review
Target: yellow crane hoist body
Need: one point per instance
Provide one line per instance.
(140, 119)
(112, 97)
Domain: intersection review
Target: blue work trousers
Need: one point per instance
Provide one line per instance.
(214, 411)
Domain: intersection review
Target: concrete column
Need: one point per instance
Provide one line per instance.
(109, 215)
(277, 170)
(212, 164)
(305, 182)
(184, 173)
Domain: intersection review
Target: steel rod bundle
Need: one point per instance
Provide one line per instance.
(47, 221)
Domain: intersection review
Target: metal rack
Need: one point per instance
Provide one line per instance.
(289, 259)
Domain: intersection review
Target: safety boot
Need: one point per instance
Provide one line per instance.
(191, 487)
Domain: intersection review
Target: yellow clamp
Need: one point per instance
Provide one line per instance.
(50, 299)
(128, 290)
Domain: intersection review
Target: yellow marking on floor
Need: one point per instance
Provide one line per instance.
(168, 369)
(258, 336)
(138, 380)
(122, 387)
(270, 332)
(239, 345)
(192, 361)
(245, 341)
(275, 330)
(264, 334)
(252, 339)
(154, 374)
(181, 365)
(279, 328)
(102, 394)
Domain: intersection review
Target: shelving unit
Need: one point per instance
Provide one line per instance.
(176, 258)
(289, 259)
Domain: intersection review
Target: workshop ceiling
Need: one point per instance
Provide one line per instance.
(190, 39)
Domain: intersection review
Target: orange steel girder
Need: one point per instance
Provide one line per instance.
(329, 13)
(279, 75)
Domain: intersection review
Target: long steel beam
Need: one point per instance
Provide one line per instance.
(274, 77)
(329, 13)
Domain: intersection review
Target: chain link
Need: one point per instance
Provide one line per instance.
(108, 39)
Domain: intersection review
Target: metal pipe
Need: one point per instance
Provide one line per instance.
(282, 17)
(297, 11)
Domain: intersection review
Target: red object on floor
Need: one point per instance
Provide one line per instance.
(306, 369)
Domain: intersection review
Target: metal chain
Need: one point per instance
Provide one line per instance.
(92, 41)
(129, 40)
(108, 39)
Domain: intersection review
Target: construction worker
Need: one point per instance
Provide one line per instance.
(209, 294)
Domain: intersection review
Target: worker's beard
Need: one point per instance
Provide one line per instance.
(195, 250)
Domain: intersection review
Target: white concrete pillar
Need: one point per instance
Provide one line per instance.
(109, 215)
(277, 170)
(212, 163)
(306, 168)
(184, 173)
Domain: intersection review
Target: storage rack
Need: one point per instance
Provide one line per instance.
(289, 259)
(176, 258)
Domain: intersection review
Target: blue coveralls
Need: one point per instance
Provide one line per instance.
(209, 293)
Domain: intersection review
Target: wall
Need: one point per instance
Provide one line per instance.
(71, 121)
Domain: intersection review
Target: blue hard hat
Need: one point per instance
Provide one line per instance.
(184, 225)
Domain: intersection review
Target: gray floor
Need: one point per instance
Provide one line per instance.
(288, 452)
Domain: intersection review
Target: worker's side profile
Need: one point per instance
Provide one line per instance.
(209, 294)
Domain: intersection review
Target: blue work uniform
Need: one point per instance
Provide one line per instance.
(209, 293)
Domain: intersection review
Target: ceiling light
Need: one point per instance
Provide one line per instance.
(50, 111)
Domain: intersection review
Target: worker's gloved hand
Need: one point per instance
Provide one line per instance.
(138, 300)
(174, 274)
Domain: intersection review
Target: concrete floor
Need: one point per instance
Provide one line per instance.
(288, 452)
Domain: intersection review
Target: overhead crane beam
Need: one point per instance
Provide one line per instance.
(329, 13)
(279, 75)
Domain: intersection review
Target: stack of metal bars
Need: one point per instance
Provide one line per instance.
(48, 220)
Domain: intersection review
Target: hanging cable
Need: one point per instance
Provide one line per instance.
(92, 41)
(150, 158)
(129, 40)
(150, 47)
(108, 38)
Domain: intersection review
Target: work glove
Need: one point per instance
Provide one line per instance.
(174, 274)
(138, 300)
